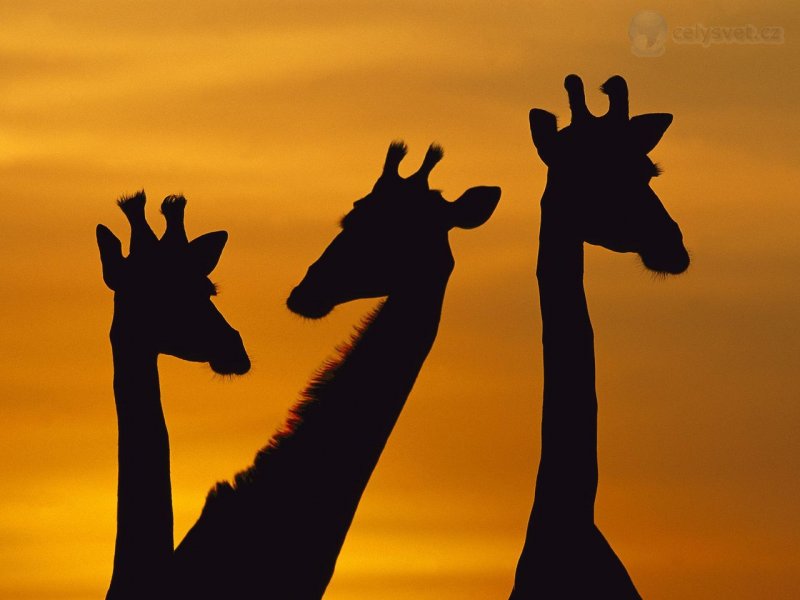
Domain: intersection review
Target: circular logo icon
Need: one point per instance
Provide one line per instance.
(648, 34)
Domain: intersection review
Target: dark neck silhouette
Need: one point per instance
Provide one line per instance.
(161, 305)
(597, 191)
(277, 530)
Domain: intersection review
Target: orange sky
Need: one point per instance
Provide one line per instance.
(272, 117)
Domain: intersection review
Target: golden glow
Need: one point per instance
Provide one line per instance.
(272, 117)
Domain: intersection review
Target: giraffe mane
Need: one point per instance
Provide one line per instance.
(247, 481)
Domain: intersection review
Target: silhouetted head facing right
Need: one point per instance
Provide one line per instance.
(162, 299)
(394, 238)
(599, 176)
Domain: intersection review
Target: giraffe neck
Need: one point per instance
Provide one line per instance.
(378, 373)
(350, 414)
(567, 478)
(565, 554)
(299, 498)
(144, 540)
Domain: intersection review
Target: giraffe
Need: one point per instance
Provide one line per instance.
(277, 530)
(162, 305)
(598, 192)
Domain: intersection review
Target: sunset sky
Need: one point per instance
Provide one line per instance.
(272, 118)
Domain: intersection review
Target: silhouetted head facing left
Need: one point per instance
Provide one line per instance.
(599, 176)
(162, 299)
(394, 238)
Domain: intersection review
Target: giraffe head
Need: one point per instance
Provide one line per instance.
(599, 176)
(393, 238)
(162, 294)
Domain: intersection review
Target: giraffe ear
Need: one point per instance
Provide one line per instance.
(206, 250)
(474, 207)
(646, 130)
(543, 132)
(110, 256)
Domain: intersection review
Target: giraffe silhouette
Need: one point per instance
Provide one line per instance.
(277, 530)
(162, 305)
(598, 191)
